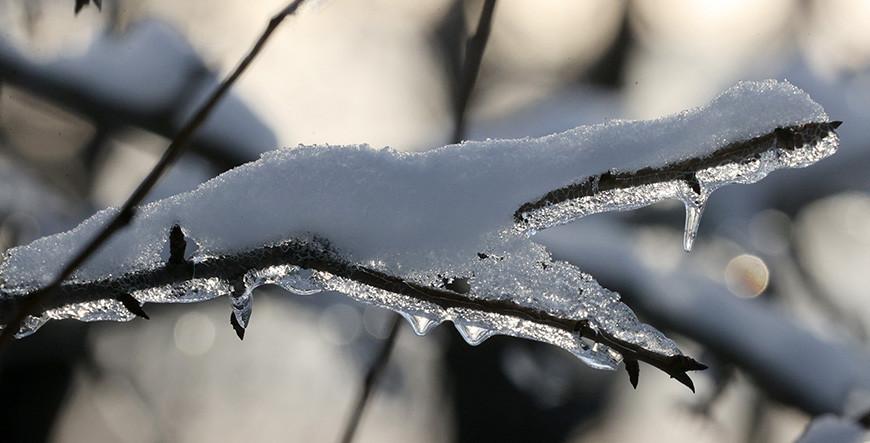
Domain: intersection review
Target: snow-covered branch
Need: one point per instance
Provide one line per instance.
(438, 236)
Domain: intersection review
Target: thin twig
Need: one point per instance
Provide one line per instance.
(173, 151)
(475, 47)
(473, 56)
(374, 374)
(317, 255)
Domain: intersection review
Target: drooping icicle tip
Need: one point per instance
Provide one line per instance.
(420, 324)
(693, 222)
(473, 335)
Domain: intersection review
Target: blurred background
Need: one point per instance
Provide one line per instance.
(774, 297)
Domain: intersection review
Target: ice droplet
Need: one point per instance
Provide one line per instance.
(473, 335)
(289, 277)
(693, 221)
(300, 282)
(421, 324)
(30, 325)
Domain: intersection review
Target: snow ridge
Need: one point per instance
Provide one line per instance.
(447, 219)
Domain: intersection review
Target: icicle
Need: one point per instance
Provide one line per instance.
(30, 325)
(473, 335)
(421, 325)
(694, 198)
(693, 221)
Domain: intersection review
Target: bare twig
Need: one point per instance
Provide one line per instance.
(317, 255)
(128, 210)
(374, 374)
(475, 47)
(788, 138)
(473, 56)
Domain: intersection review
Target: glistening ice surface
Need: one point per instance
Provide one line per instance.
(436, 216)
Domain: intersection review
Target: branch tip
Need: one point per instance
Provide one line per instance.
(633, 369)
(177, 245)
(240, 330)
(684, 378)
(133, 305)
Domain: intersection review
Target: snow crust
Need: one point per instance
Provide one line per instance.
(422, 216)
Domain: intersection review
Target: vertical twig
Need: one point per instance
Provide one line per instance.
(473, 56)
(374, 373)
(474, 50)
(128, 210)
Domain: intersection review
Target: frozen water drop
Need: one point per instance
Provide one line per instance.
(693, 221)
(30, 325)
(473, 335)
(421, 324)
(597, 356)
(300, 282)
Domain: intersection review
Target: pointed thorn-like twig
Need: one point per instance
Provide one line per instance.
(693, 182)
(177, 245)
(133, 306)
(684, 378)
(240, 330)
(633, 369)
(82, 3)
(690, 364)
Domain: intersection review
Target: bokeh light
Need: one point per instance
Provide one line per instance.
(746, 276)
(194, 333)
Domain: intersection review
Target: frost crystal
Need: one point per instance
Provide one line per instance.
(438, 236)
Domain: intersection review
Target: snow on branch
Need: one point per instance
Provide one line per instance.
(438, 236)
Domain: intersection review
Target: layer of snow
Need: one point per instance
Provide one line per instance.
(423, 216)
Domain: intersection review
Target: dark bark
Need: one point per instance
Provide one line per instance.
(317, 255)
(782, 138)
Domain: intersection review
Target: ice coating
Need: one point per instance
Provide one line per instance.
(795, 147)
(433, 217)
(409, 211)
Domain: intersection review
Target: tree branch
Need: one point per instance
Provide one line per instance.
(318, 255)
(474, 50)
(128, 210)
(466, 78)
(789, 138)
